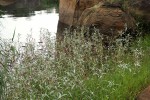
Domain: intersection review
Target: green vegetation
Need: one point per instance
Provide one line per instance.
(74, 69)
(50, 2)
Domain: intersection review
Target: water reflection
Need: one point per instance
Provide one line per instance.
(25, 8)
(33, 24)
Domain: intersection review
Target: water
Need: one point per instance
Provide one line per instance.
(29, 25)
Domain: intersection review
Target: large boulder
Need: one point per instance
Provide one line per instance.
(81, 6)
(66, 11)
(70, 10)
(108, 18)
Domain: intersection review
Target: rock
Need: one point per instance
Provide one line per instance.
(66, 11)
(81, 6)
(144, 95)
(140, 8)
(70, 10)
(109, 19)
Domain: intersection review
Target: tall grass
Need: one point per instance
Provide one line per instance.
(75, 68)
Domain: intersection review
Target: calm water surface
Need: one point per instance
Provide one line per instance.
(46, 20)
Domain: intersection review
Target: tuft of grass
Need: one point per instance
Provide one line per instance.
(74, 68)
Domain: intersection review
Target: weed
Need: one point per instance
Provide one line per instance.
(74, 68)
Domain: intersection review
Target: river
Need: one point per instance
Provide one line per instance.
(31, 23)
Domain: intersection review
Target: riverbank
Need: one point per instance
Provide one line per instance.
(82, 70)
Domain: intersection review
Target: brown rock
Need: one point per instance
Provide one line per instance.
(81, 6)
(108, 19)
(144, 95)
(66, 11)
(70, 10)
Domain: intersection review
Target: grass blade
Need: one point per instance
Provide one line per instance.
(14, 34)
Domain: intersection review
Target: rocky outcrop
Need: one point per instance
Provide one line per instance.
(144, 95)
(70, 10)
(108, 18)
(81, 6)
(66, 11)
